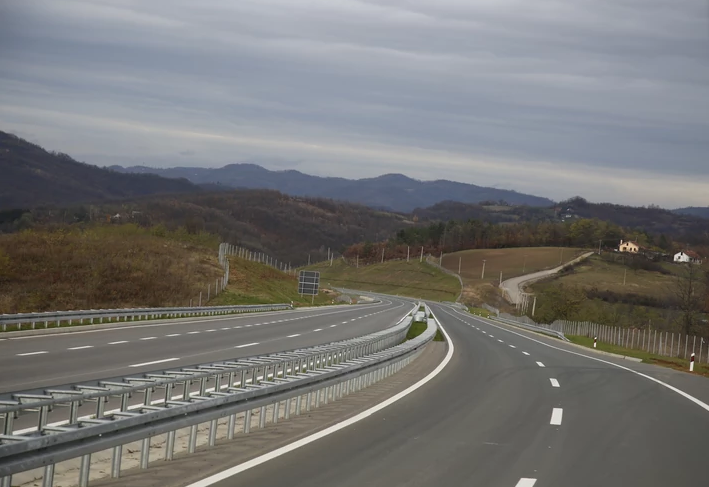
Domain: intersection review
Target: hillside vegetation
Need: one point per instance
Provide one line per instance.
(254, 283)
(32, 176)
(104, 267)
(285, 227)
(414, 279)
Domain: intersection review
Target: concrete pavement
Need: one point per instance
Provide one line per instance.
(34, 363)
(510, 410)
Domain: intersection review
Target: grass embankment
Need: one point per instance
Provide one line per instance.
(599, 273)
(671, 362)
(511, 262)
(254, 283)
(104, 266)
(414, 279)
(418, 327)
(479, 312)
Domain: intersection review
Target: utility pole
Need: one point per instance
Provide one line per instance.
(534, 306)
(440, 259)
(408, 251)
(483, 274)
(500, 278)
(421, 258)
(460, 261)
(625, 275)
(600, 242)
(383, 255)
(308, 259)
(332, 256)
(357, 262)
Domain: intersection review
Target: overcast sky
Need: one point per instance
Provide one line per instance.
(608, 99)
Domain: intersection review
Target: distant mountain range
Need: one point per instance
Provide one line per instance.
(32, 176)
(394, 192)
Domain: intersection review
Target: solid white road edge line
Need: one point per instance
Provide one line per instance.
(554, 383)
(556, 415)
(230, 472)
(696, 401)
(156, 362)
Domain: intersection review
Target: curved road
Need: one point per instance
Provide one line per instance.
(513, 409)
(514, 286)
(37, 362)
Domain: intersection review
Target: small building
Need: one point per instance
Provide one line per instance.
(631, 247)
(688, 257)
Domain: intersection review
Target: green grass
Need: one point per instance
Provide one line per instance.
(418, 327)
(608, 276)
(671, 362)
(254, 283)
(479, 311)
(414, 279)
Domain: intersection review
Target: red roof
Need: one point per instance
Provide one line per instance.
(692, 254)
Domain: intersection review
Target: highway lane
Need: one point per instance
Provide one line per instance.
(39, 362)
(509, 411)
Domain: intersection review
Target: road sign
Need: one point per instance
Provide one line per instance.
(308, 283)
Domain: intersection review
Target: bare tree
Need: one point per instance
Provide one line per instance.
(690, 294)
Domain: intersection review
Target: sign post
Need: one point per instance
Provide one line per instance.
(309, 284)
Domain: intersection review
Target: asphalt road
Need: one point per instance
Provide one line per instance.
(34, 363)
(514, 285)
(511, 409)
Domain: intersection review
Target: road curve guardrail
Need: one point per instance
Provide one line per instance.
(239, 386)
(55, 319)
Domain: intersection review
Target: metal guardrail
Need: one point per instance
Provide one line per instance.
(527, 323)
(126, 314)
(239, 386)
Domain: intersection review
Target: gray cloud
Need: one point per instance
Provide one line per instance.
(604, 98)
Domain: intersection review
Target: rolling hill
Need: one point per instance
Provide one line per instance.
(32, 176)
(394, 192)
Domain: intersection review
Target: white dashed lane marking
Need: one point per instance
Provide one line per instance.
(80, 348)
(540, 364)
(155, 362)
(31, 353)
(554, 382)
(173, 335)
(148, 338)
(526, 482)
(118, 342)
(246, 345)
(556, 415)
(293, 336)
(525, 353)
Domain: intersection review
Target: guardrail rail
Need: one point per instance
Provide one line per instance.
(170, 400)
(126, 314)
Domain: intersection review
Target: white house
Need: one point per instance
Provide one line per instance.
(688, 256)
(631, 247)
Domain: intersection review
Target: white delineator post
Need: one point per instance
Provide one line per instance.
(595, 339)
(691, 362)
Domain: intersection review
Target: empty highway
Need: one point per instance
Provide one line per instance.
(512, 409)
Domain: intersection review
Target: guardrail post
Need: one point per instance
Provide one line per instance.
(287, 411)
(247, 422)
(6, 481)
(213, 432)
(170, 445)
(145, 453)
(310, 400)
(231, 426)
(84, 470)
(193, 439)
(48, 477)
(276, 411)
(262, 417)
(298, 405)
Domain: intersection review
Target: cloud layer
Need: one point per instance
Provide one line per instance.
(604, 98)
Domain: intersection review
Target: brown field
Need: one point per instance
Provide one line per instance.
(510, 262)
